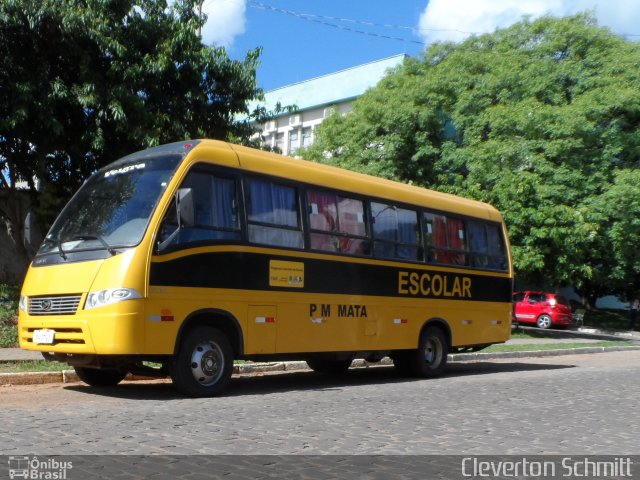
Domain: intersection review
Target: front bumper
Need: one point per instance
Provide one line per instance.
(111, 330)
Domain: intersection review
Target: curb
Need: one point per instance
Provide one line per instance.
(69, 376)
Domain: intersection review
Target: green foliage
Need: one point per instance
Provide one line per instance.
(84, 83)
(9, 296)
(607, 319)
(9, 293)
(541, 120)
(8, 334)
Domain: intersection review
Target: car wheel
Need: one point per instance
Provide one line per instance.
(544, 321)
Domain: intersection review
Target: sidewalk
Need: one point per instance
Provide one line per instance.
(584, 336)
(17, 354)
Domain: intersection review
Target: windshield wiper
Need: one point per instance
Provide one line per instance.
(60, 250)
(99, 238)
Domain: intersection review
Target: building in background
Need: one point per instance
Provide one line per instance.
(315, 100)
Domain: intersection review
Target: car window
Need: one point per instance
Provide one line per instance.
(518, 297)
(537, 297)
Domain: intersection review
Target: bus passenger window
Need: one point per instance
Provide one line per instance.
(487, 246)
(272, 211)
(337, 223)
(215, 211)
(445, 238)
(395, 232)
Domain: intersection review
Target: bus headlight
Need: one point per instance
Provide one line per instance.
(23, 303)
(100, 298)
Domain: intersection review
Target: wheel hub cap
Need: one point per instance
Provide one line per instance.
(207, 363)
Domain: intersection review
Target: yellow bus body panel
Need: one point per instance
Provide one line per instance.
(108, 330)
(271, 320)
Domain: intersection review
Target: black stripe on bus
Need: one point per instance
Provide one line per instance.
(250, 271)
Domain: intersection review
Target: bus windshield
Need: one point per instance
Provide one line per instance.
(113, 208)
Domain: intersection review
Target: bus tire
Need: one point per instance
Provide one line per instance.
(204, 363)
(431, 357)
(100, 377)
(320, 365)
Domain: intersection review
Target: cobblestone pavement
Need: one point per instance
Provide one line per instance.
(575, 404)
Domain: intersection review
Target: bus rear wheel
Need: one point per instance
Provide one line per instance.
(430, 358)
(203, 364)
(100, 377)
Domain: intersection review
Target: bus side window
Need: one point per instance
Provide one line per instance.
(337, 223)
(215, 211)
(395, 232)
(445, 239)
(272, 211)
(487, 246)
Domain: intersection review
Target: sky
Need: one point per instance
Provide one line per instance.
(303, 39)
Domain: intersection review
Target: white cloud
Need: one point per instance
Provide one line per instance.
(456, 19)
(225, 21)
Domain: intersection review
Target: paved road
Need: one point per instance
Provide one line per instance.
(577, 404)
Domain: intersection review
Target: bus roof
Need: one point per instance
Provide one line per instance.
(268, 163)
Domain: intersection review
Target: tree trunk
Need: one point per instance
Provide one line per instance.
(15, 257)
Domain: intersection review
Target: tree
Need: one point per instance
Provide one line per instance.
(84, 82)
(538, 119)
(617, 213)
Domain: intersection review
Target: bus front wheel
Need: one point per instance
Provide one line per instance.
(100, 377)
(203, 364)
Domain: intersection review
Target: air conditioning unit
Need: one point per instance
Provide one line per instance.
(294, 120)
(270, 126)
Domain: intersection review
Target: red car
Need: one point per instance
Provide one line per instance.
(542, 309)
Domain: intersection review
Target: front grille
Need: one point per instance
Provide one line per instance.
(54, 305)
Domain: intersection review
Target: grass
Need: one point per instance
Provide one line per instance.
(9, 295)
(32, 366)
(8, 335)
(553, 346)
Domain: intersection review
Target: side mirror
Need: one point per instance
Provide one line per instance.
(31, 235)
(184, 207)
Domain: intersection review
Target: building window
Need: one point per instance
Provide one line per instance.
(294, 141)
(280, 142)
(306, 137)
(267, 140)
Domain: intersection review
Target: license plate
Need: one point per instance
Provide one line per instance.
(43, 336)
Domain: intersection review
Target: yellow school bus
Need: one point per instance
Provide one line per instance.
(195, 254)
